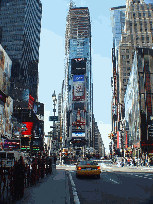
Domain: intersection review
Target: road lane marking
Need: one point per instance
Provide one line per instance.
(113, 181)
(76, 199)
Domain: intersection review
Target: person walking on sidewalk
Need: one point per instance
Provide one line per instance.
(148, 161)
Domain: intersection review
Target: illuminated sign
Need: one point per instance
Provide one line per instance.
(78, 78)
(78, 134)
(78, 66)
(12, 144)
(29, 126)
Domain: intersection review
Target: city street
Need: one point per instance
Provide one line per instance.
(116, 185)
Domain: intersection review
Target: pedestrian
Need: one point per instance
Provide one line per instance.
(128, 161)
(148, 161)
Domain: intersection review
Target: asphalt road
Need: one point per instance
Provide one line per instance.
(115, 188)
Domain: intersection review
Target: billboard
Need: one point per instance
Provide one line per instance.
(14, 144)
(8, 115)
(31, 101)
(28, 131)
(78, 65)
(5, 71)
(78, 88)
(79, 105)
(78, 134)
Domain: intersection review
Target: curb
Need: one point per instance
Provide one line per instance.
(74, 196)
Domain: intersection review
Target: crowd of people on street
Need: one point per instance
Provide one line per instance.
(133, 161)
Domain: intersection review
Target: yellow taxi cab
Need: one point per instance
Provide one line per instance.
(88, 168)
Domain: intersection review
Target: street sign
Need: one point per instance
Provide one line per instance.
(47, 136)
(52, 127)
(53, 118)
(150, 130)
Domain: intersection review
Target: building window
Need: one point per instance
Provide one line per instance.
(124, 74)
(128, 74)
(124, 80)
(123, 56)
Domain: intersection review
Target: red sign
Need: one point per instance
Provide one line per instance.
(29, 126)
(30, 104)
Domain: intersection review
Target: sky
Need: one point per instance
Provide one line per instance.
(52, 53)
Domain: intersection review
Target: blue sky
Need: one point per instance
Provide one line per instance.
(52, 49)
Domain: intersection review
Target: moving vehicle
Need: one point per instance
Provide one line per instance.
(88, 168)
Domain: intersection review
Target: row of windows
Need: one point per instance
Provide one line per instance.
(140, 15)
(126, 74)
(16, 48)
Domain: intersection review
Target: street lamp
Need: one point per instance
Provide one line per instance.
(54, 110)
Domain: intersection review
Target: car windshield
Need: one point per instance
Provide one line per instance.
(88, 163)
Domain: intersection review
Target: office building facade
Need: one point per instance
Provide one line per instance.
(20, 24)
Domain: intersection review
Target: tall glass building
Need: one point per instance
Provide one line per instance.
(20, 25)
(78, 96)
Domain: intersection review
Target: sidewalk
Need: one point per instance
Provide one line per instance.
(141, 169)
(51, 189)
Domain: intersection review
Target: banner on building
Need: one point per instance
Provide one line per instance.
(78, 88)
(78, 66)
(28, 131)
(31, 101)
(78, 134)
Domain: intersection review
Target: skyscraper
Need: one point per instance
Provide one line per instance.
(78, 105)
(138, 33)
(20, 23)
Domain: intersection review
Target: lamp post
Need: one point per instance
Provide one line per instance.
(54, 110)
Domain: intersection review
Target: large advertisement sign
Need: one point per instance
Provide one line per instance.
(14, 144)
(28, 131)
(8, 114)
(78, 134)
(78, 121)
(78, 88)
(78, 66)
(5, 70)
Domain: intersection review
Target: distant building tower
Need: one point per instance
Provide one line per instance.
(137, 33)
(118, 23)
(20, 24)
(78, 77)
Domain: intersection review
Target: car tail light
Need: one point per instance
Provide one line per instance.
(98, 167)
(88, 164)
(79, 168)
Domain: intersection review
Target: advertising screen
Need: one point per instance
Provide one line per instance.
(80, 105)
(78, 88)
(78, 118)
(28, 131)
(78, 134)
(12, 144)
(78, 66)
